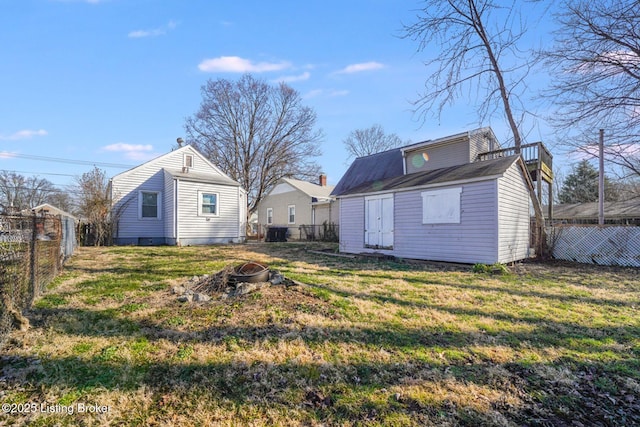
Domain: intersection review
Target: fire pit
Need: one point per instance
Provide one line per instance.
(250, 272)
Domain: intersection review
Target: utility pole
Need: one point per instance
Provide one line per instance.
(601, 180)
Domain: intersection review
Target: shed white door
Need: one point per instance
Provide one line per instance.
(378, 225)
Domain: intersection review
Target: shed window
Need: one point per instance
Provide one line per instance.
(292, 214)
(208, 204)
(441, 206)
(269, 216)
(148, 204)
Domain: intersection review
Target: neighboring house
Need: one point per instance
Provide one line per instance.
(47, 209)
(300, 206)
(624, 213)
(434, 201)
(179, 198)
(68, 224)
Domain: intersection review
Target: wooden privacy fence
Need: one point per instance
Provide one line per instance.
(592, 244)
(32, 250)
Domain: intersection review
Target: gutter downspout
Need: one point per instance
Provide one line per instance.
(175, 212)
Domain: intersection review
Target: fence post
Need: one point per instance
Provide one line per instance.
(33, 259)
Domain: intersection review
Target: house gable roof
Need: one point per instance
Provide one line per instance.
(186, 149)
(52, 210)
(309, 188)
(376, 167)
(466, 172)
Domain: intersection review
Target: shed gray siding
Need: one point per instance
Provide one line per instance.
(513, 216)
(352, 225)
(473, 240)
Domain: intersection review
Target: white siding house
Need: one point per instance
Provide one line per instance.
(466, 211)
(179, 198)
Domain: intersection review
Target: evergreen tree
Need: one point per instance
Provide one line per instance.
(581, 185)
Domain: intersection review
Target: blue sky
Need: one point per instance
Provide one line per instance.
(112, 81)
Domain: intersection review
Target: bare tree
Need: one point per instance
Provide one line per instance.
(596, 63)
(18, 192)
(363, 142)
(477, 44)
(256, 133)
(94, 204)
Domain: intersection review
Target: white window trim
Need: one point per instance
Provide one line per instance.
(451, 195)
(269, 217)
(289, 214)
(200, 195)
(159, 211)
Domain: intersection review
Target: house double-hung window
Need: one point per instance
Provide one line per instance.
(149, 203)
(291, 210)
(208, 204)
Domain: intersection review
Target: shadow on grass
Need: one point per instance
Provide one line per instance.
(590, 382)
(363, 391)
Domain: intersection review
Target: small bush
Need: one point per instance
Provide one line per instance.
(497, 268)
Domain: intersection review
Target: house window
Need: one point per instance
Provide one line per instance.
(292, 214)
(441, 206)
(188, 161)
(149, 204)
(208, 204)
(269, 216)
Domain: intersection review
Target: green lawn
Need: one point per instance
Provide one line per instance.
(362, 342)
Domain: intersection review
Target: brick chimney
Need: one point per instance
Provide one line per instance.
(323, 180)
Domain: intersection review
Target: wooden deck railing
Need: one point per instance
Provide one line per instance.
(535, 155)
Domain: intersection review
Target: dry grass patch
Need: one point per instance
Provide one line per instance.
(361, 343)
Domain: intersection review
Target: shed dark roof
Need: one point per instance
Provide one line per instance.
(464, 172)
(375, 167)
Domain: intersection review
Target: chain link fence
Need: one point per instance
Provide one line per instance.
(603, 245)
(32, 251)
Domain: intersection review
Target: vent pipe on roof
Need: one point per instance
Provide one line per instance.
(180, 141)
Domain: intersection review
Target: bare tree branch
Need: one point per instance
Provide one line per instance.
(256, 133)
(477, 41)
(596, 62)
(363, 142)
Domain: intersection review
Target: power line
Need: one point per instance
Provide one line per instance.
(70, 161)
(39, 173)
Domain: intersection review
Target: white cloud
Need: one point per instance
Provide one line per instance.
(23, 134)
(6, 155)
(357, 68)
(160, 31)
(132, 151)
(335, 93)
(298, 78)
(618, 150)
(315, 93)
(235, 64)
